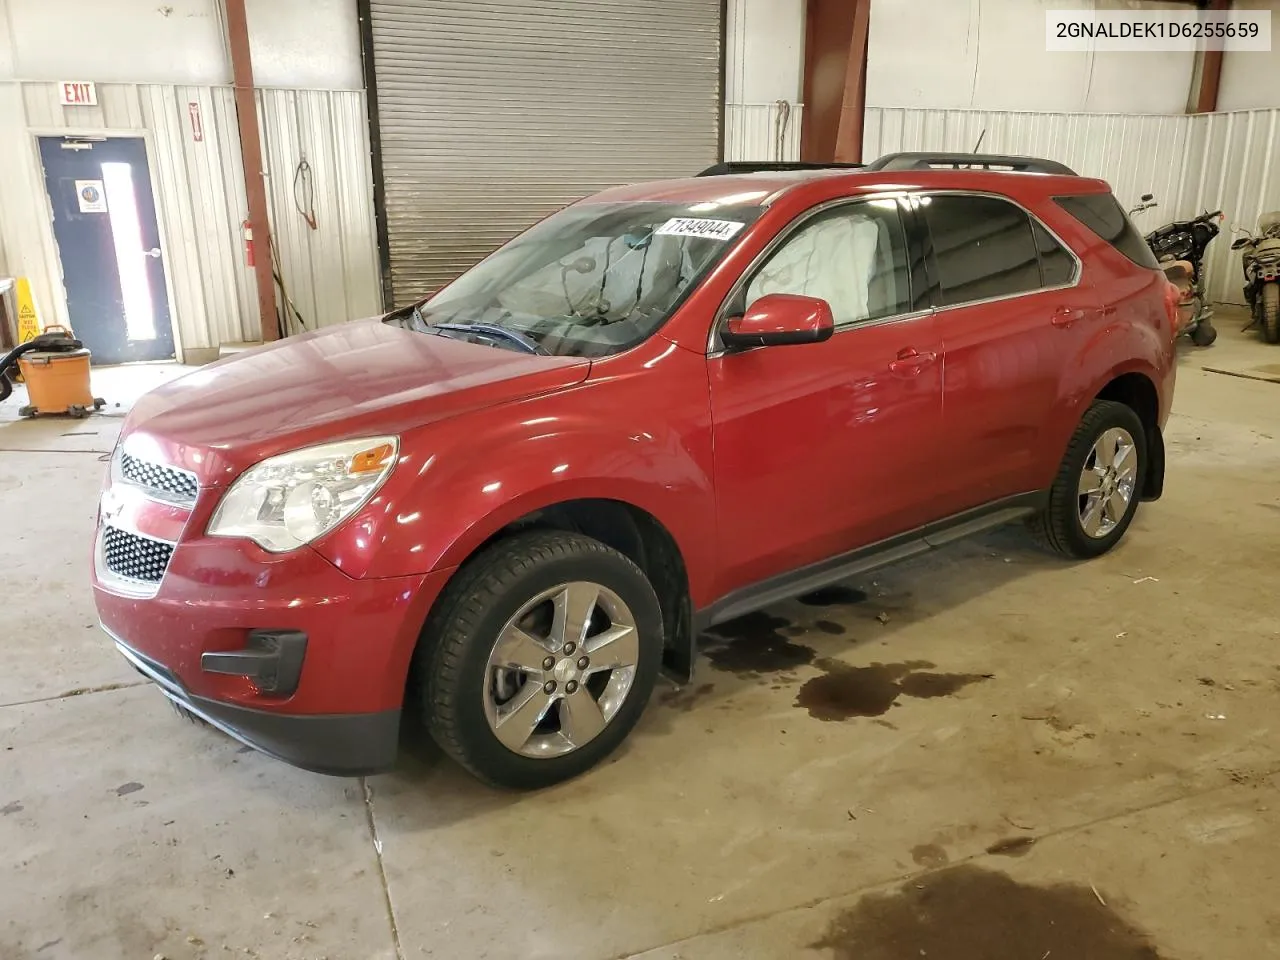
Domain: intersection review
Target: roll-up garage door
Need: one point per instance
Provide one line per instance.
(493, 113)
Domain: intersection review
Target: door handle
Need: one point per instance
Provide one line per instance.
(1064, 317)
(910, 362)
(153, 252)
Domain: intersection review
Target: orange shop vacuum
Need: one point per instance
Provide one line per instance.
(55, 367)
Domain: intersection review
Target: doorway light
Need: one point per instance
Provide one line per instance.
(126, 234)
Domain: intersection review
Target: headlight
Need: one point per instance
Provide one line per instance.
(290, 500)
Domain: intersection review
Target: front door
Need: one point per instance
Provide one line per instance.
(823, 448)
(104, 222)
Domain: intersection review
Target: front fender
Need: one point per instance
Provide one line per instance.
(641, 437)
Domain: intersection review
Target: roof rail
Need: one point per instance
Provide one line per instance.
(969, 161)
(778, 166)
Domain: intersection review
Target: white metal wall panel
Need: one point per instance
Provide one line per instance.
(331, 271)
(1226, 161)
(1135, 154)
(200, 199)
(494, 114)
(1230, 163)
(201, 188)
(762, 131)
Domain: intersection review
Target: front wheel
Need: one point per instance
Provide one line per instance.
(540, 658)
(1095, 495)
(1270, 312)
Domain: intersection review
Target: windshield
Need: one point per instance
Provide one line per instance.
(591, 280)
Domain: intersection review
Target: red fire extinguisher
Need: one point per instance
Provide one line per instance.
(247, 229)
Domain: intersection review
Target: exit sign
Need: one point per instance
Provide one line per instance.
(77, 93)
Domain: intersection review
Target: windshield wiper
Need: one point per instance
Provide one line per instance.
(419, 321)
(490, 330)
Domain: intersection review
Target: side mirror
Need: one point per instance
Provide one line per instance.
(779, 319)
(1240, 243)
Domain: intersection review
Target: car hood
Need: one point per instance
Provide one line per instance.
(361, 378)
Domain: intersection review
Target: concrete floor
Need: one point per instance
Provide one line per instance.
(985, 753)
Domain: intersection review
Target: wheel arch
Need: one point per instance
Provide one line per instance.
(633, 531)
(1137, 391)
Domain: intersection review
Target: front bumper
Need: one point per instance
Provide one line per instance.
(343, 745)
(336, 709)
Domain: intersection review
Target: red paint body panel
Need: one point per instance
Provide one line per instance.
(361, 633)
(756, 462)
(361, 379)
(820, 448)
(618, 436)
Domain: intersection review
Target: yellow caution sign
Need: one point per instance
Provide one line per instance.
(28, 324)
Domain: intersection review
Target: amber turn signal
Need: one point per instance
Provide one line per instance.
(372, 460)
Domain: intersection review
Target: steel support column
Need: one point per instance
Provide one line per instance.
(1208, 71)
(255, 187)
(835, 79)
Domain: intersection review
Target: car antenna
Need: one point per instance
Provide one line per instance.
(979, 143)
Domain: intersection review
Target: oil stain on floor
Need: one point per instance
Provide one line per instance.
(754, 645)
(967, 913)
(842, 691)
(833, 596)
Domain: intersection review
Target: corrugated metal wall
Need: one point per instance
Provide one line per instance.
(1224, 161)
(493, 115)
(1230, 163)
(331, 272)
(762, 131)
(1135, 154)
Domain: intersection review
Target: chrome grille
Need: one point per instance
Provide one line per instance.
(170, 482)
(135, 557)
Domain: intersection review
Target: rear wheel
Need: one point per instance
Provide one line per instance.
(1270, 312)
(540, 658)
(1095, 495)
(1204, 334)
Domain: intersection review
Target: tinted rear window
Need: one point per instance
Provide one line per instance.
(1102, 214)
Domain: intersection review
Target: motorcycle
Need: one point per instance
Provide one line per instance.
(1261, 263)
(1180, 247)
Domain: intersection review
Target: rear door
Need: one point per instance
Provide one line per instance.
(1011, 311)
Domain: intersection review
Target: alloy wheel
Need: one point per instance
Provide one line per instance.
(1108, 482)
(560, 669)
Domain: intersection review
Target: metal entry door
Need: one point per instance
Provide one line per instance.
(104, 222)
(492, 115)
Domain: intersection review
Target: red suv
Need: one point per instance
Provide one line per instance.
(664, 406)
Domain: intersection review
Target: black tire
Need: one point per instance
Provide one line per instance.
(1269, 312)
(1058, 527)
(460, 634)
(1204, 334)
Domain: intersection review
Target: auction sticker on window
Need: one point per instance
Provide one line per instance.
(699, 227)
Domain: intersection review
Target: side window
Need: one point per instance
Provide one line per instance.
(1056, 265)
(983, 245)
(853, 256)
(1102, 214)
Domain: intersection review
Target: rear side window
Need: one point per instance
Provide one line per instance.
(983, 246)
(1057, 266)
(1102, 214)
